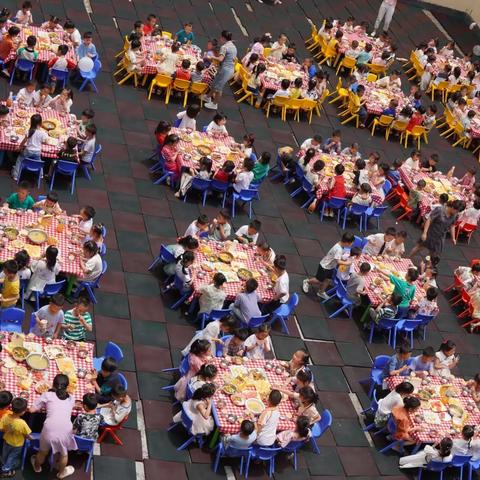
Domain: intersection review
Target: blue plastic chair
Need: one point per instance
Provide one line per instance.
(85, 445)
(123, 380)
(48, 291)
(386, 324)
(372, 409)
(408, 326)
(23, 65)
(184, 295)
(183, 369)
(11, 319)
(34, 444)
(292, 448)
(334, 203)
(392, 429)
(111, 350)
(90, 286)
(60, 75)
(23, 287)
(202, 186)
(33, 321)
(222, 187)
(375, 212)
(219, 346)
(387, 186)
(177, 123)
(266, 454)
(246, 196)
(205, 318)
(283, 312)
(253, 157)
(357, 211)
(165, 256)
(157, 154)
(319, 428)
(244, 454)
(473, 465)
(89, 77)
(425, 319)
(102, 251)
(187, 424)
(402, 312)
(256, 322)
(434, 466)
(32, 165)
(306, 187)
(299, 173)
(359, 242)
(65, 168)
(87, 166)
(376, 373)
(459, 461)
(341, 294)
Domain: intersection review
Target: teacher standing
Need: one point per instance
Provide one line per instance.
(386, 11)
(226, 69)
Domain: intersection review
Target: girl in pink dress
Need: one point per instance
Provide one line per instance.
(57, 432)
(301, 432)
(173, 158)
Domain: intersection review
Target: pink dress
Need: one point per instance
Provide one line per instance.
(181, 386)
(57, 430)
(173, 161)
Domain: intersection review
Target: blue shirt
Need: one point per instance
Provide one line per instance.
(86, 50)
(184, 37)
(364, 57)
(395, 364)
(418, 365)
(391, 112)
(312, 70)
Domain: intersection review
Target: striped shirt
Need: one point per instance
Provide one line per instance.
(78, 332)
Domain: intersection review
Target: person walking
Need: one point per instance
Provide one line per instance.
(386, 11)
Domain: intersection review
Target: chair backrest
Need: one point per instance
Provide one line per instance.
(280, 101)
(266, 453)
(349, 62)
(32, 165)
(59, 74)
(248, 195)
(323, 424)
(166, 255)
(186, 420)
(162, 80)
(68, 168)
(237, 452)
(53, 288)
(380, 361)
(425, 319)
(114, 351)
(437, 465)
(219, 186)
(357, 209)
(460, 460)
(385, 120)
(255, 322)
(123, 380)
(387, 323)
(97, 65)
(294, 445)
(166, 34)
(200, 183)
(266, 51)
(408, 324)
(399, 125)
(12, 315)
(377, 211)
(219, 346)
(308, 104)
(336, 202)
(371, 77)
(402, 312)
(418, 130)
(307, 186)
(218, 314)
(387, 186)
(198, 88)
(24, 64)
(293, 301)
(299, 171)
(84, 444)
(177, 123)
(181, 84)
(184, 366)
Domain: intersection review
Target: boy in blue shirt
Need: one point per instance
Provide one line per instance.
(186, 35)
(87, 48)
(423, 362)
(399, 364)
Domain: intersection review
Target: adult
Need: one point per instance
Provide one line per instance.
(442, 219)
(386, 11)
(57, 432)
(226, 69)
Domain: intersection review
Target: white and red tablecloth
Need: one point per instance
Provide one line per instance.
(378, 99)
(432, 432)
(233, 288)
(362, 39)
(10, 380)
(288, 412)
(17, 127)
(279, 70)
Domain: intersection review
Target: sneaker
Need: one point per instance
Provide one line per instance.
(323, 295)
(177, 194)
(211, 105)
(305, 286)
(66, 472)
(35, 469)
(374, 33)
(6, 72)
(205, 98)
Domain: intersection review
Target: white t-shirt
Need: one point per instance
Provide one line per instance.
(23, 18)
(308, 144)
(258, 351)
(186, 121)
(411, 164)
(375, 243)
(462, 447)
(192, 229)
(268, 433)
(37, 102)
(34, 143)
(363, 177)
(282, 286)
(470, 216)
(330, 260)
(76, 38)
(282, 93)
(60, 106)
(214, 128)
(25, 97)
(394, 250)
(94, 268)
(85, 225)
(243, 180)
(277, 54)
(243, 232)
(88, 149)
(386, 404)
(445, 363)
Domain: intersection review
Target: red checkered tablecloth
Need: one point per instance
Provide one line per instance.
(44, 38)
(273, 77)
(287, 409)
(68, 251)
(221, 146)
(8, 142)
(362, 39)
(232, 289)
(440, 62)
(378, 99)
(83, 385)
(434, 432)
(376, 294)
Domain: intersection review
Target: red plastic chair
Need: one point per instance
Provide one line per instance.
(456, 285)
(467, 229)
(403, 204)
(396, 192)
(110, 430)
(465, 299)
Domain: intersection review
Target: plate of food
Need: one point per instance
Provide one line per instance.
(204, 150)
(237, 400)
(49, 125)
(20, 371)
(22, 113)
(20, 353)
(53, 351)
(455, 411)
(229, 389)
(37, 361)
(33, 250)
(225, 257)
(10, 232)
(255, 406)
(42, 387)
(65, 365)
(437, 406)
(37, 236)
(424, 395)
(54, 134)
(244, 274)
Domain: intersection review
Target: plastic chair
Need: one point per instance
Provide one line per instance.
(292, 448)
(23, 65)
(201, 185)
(357, 211)
(402, 312)
(65, 168)
(90, 286)
(434, 466)
(112, 430)
(245, 93)
(11, 319)
(219, 346)
(89, 77)
(349, 63)
(244, 454)
(376, 373)
(425, 320)
(85, 166)
(198, 89)
(123, 380)
(222, 187)
(359, 242)
(159, 168)
(183, 86)
(403, 204)
(280, 172)
(164, 256)
(306, 187)
(385, 324)
(473, 465)
(467, 229)
(256, 322)
(187, 424)
(392, 429)
(384, 122)
(459, 461)
(266, 454)
(48, 291)
(85, 445)
(163, 82)
(213, 315)
(319, 428)
(111, 350)
(32, 165)
(33, 444)
(417, 132)
(60, 75)
(397, 126)
(246, 196)
(279, 102)
(407, 326)
(341, 294)
(283, 312)
(23, 287)
(335, 204)
(178, 285)
(375, 212)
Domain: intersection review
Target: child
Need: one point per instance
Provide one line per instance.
(244, 438)
(63, 102)
(386, 309)
(430, 118)
(49, 319)
(106, 379)
(440, 452)
(391, 110)
(246, 303)
(25, 95)
(86, 120)
(430, 165)
(247, 144)
(183, 271)
(220, 229)
(203, 172)
(327, 266)
(470, 276)
(336, 187)
(11, 284)
(60, 62)
(296, 91)
(52, 24)
(364, 195)
(401, 415)
(86, 423)
(86, 219)
(7, 45)
(88, 147)
(168, 59)
(49, 205)
(212, 296)
(352, 152)
(315, 177)
(24, 16)
(226, 173)
(266, 253)
(198, 226)
(396, 248)
(284, 90)
(305, 160)
(5, 401)
(183, 72)
(199, 410)
(28, 52)
(249, 233)
(261, 168)
(301, 432)
(78, 321)
(235, 346)
(42, 97)
(446, 359)
(268, 421)
(197, 76)
(423, 363)
(173, 157)
(345, 270)
(206, 374)
(467, 445)
(134, 58)
(470, 215)
(405, 288)
(217, 125)
(259, 343)
(334, 143)
(44, 271)
(96, 235)
(398, 363)
(120, 407)
(15, 432)
(244, 178)
(355, 286)
(90, 262)
(21, 200)
(428, 304)
(298, 362)
(361, 175)
(417, 118)
(377, 243)
(149, 24)
(161, 132)
(308, 398)
(87, 48)
(393, 399)
(473, 385)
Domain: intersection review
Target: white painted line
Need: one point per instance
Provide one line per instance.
(139, 471)
(239, 22)
(88, 7)
(440, 27)
(249, 7)
(115, 23)
(229, 473)
(141, 427)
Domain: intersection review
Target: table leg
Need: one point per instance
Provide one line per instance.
(70, 284)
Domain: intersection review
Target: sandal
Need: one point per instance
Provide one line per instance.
(32, 461)
(67, 471)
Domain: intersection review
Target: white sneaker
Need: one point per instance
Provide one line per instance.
(211, 105)
(374, 33)
(205, 98)
(6, 72)
(305, 286)
(323, 295)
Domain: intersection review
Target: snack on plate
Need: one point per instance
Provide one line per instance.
(20, 353)
(25, 383)
(42, 387)
(33, 250)
(244, 274)
(10, 232)
(255, 406)
(52, 241)
(20, 371)
(22, 113)
(237, 400)
(455, 411)
(65, 365)
(54, 351)
(225, 257)
(229, 389)
(437, 406)
(37, 236)
(49, 124)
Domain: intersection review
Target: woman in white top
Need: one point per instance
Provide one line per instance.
(441, 452)
(90, 262)
(445, 359)
(467, 445)
(217, 125)
(63, 103)
(393, 399)
(44, 271)
(188, 117)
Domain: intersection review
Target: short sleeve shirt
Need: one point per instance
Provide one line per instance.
(53, 320)
(243, 232)
(330, 260)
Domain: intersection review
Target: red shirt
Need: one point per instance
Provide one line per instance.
(416, 119)
(222, 176)
(6, 46)
(160, 138)
(338, 190)
(147, 29)
(182, 74)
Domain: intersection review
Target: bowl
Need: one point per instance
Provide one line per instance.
(20, 353)
(255, 406)
(37, 236)
(38, 361)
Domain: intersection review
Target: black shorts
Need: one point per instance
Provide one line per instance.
(323, 274)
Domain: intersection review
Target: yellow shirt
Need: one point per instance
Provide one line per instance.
(14, 430)
(295, 93)
(11, 289)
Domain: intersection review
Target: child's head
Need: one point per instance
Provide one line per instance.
(308, 396)
(228, 324)
(223, 216)
(186, 64)
(10, 269)
(355, 251)
(87, 213)
(254, 227)
(89, 402)
(193, 110)
(240, 335)
(202, 222)
(109, 366)
(468, 432)
(219, 279)
(448, 347)
(360, 90)
(119, 392)
(389, 234)
(151, 20)
(411, 403)
(428, 354)
(285, 84)
(22, 258)
(26, 6)
(365, 267)
(207, 390)
(298, 82)
(31, 41)
(228, 166)
(400, 237)
(248, 140)
(251, 285)
(395, 299)
(304, 377)
(404, 389)
(188, 258)
(248, 164)
(301, 357)
(206, 164)
(19, 406)
(411, 275)
(23, 190)
(208, 372)
(199, 67)
(365, 187)
(82, 305)
(347, 239)
(56, 303)
(87, 115)
(90, 248)
(318, 166)
(263, 248)
(262, 332)
(432, 293)
(13, 32)
(280, 263)
(96, 232)
(373, 158)
(189, 243)
(274, 398)
(247, 427)
(52, 197)
(200, 347)
(360, 164)
(339, 169)
(302, 426)
(5, 399)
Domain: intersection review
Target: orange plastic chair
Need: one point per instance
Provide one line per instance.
(396, 192)
(111, 430)
(468, 229)
(403, 204)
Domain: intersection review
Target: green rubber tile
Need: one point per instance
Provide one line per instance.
(137, 242)
(124, 202)
(122, 169)
(163, 445)
(142, 285)
(329, 378)
(146, 188)
(149, 333)
(183, 211)
(327, 462)
(285, 347)
(348, 433)
(160, 226)
(106, 468)
(196, 471)
(111, 305)
(131, 448)
(387, 464)
(155, 469)
(354, 354)
(358, 461)
(281, 243)
(127, 363)
(113, 259)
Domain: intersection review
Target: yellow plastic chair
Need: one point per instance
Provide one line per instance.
(318, 107)
(328, 53)
(198, 89)
(293, 105)
(352, 113)
(384, 122)
(416, 133)
(342, 94)
(453, 89)
(163, 82)
(371, 77)
(461, 138)
(418, 69)
(126, 46)
(378, 70)
(183, 86)
(241, 75)
(133, 73)
(349, 63)
(311, 39)
(410, 61)
(266, 52)
(451, 124)
(447, 118)
(309, 106)
(279, 102)
(322, 48)
(396, 126)
(167, 34)
(442, 87)
(247, 94)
